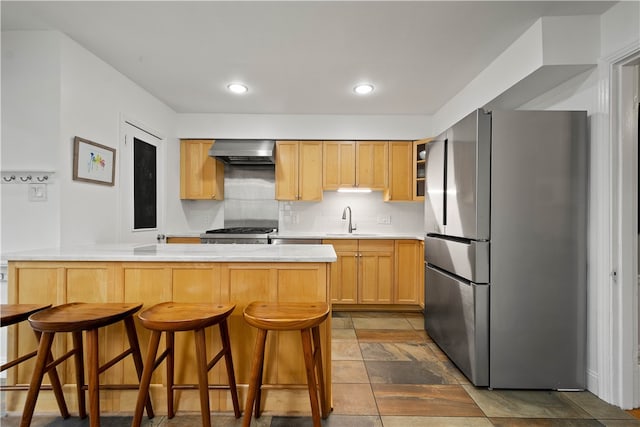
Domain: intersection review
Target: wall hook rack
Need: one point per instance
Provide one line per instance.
(26, 177)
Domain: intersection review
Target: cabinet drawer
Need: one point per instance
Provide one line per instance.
(376, 245)
(342, 245)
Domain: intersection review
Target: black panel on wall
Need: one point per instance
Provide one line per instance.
(144, 185)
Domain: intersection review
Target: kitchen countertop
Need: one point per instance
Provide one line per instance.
(344, 235)
(180, 253)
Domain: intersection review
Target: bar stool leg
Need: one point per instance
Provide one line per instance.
(201, 356)
(324, 404)
(255, 379)
(137, 357)
(145, 381)
(44, 349)
(311, 375)
(92, 369)
(56, 385)
(169, 337)
(258, 398)
(79, 367)
(226, 344)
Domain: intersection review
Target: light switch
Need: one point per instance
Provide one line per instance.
(37, 192)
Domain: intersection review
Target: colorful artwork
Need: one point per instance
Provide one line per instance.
(93, 162)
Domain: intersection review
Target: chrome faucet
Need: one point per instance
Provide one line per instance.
(344, 216)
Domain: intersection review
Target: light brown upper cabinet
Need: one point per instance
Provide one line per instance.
(201, 176)
(356, 164)
(299, 170)
(419, 168)
(339, 158)
(400, 171)
(372, 164)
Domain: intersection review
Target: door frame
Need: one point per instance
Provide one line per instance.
(614, 273)
(129, 129)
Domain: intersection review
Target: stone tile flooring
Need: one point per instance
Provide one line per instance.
(388, 373)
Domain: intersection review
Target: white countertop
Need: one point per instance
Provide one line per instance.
(180, 253)
(338, 235)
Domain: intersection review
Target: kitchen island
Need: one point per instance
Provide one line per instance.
(154, 273)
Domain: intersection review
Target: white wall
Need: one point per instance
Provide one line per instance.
(565, 45)
(52, 90)
(30, 135)
(95, 98)
(301, 126)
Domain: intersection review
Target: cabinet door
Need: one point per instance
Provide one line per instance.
(310, 171)
(344, 272)
(183, 239)
(150, 284)
(201, 176)
(401, 176)
(339, 168)
(419, 168)
(375, 271)
(287, 170)
(408, 267)
(372, 160)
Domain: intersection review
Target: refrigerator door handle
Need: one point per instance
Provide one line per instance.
(451, 275)
(444, 187)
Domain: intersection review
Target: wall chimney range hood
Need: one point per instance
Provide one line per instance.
(244, 151)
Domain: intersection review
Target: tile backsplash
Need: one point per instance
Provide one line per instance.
(370, 214)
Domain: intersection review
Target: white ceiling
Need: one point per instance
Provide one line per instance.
(297, 57)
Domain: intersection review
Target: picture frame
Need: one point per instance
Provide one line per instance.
(93, 162)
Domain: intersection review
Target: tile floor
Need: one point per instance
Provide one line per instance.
(388, 373)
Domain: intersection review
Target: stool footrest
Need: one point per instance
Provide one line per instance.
(162, 356)
(59, 360)
(23, 387)
(115, 360)
(215, 360)
(115, 387)
(18, 360)
(196, 387)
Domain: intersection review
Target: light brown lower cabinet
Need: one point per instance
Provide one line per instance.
(155, 282)
(409, 272)
(377, 272)
(183, 239)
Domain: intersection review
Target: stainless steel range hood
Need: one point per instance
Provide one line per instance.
(244, 151)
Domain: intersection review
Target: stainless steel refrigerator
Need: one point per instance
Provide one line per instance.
(505, 247)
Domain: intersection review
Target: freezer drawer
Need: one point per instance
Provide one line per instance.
(457, 319)
(467, 259)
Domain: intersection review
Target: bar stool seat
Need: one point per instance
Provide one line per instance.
(171, 317)
(305, 317)
(75, 318)
(11, 314)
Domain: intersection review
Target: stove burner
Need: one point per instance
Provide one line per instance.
(241, 230)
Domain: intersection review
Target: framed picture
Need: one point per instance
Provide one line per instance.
(93, 162)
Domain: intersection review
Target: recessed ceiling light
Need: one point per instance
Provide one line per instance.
(237, 88)
(363, 89)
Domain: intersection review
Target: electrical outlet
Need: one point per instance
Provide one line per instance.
(37, 192)
(384, 219)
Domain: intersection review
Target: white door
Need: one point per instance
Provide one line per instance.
(141, 185)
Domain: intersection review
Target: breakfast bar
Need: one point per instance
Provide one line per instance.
(153, 273)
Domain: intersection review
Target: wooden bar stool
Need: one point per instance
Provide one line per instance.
(171, 317)
(305, 317)
(10, 314)
(75, 318)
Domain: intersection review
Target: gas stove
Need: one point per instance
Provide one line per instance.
(241, 235)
